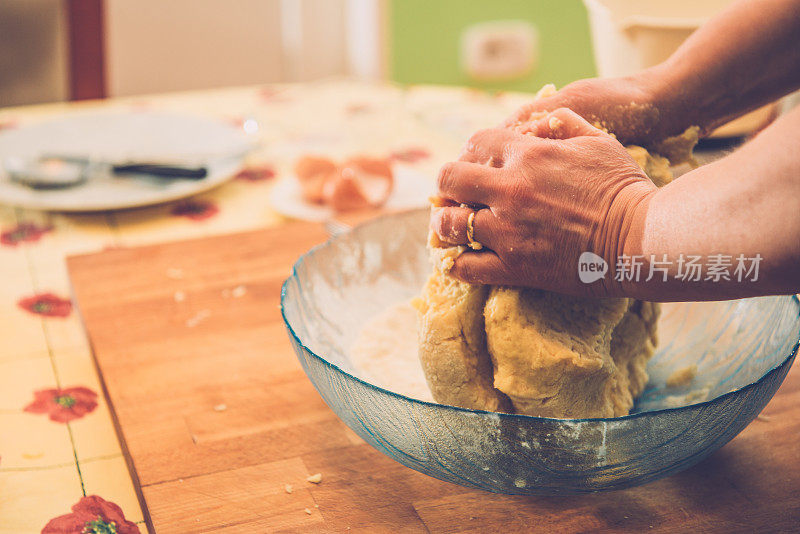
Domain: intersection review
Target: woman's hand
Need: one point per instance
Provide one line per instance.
(541, 200)
(630, 107)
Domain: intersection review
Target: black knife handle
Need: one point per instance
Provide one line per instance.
(164, 171)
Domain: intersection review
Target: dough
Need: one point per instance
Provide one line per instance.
(532, 351)
(633, 343)
(682, 376)
(552, 353)
(452, 344)
(654, 166)
(678, 149)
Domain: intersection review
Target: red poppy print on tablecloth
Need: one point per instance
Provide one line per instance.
(92, 515)
(46, 304)
(410, 155)
(256, 173)
(25, 232)
(197, 210)
(63, 405)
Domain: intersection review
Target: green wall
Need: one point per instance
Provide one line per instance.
(424, 40)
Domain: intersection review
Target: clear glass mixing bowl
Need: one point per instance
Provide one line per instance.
(743, 350)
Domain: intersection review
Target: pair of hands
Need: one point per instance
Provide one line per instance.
(545, 200)
(548, 190)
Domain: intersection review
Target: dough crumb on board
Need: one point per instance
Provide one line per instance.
(198, 318)
(316, 478)
(287, 488)
(238, 291)
(682, 376)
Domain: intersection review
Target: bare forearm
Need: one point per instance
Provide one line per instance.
(746, 205)
(744, 58)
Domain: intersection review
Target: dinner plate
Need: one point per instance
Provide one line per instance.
(411, 190)
(115, 136)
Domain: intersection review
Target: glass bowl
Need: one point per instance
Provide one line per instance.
(743, 350)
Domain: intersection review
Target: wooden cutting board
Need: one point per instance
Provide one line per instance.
(216, 418)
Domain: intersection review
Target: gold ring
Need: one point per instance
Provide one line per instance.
(474, 245)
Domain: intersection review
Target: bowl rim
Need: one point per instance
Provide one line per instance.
(334, 238)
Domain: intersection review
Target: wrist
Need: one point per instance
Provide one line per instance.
(632, 235)
(622, 233)
(679, 98)
(666, 94)
(649, 113)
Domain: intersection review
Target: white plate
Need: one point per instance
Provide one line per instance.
(115, 136)
(411, 190)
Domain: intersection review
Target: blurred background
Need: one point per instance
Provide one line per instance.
(56, 50)
(53, 50)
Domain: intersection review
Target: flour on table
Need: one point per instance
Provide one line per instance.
(385, 353)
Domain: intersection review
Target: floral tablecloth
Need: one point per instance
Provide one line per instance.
(61, 467)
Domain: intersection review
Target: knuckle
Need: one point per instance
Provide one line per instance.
(557, 151)
(533, 149)
(579, 88)
(517, 150)
(483, 139)
(476, 138)
(436, 221)
(567, 115)
(525, 111)
(606, 143)
(445, 226)
(464, 271)
(446, 176)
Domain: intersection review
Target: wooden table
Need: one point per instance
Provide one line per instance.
(217, 418)
(50, 464)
